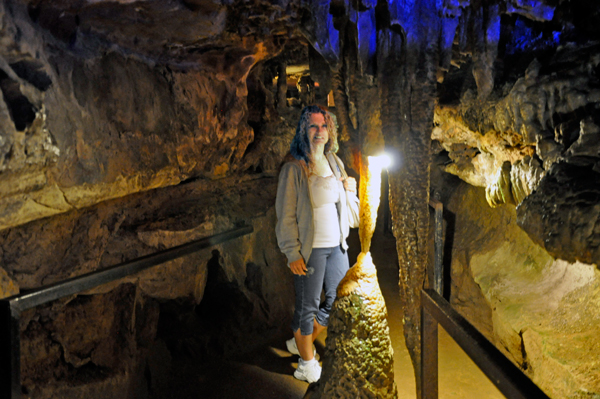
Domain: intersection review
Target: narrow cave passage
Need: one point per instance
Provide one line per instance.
(266, 373)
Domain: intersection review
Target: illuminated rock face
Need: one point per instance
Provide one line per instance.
(536, 309)
(535, 145)
(96, 107)
(358, 358)
(101, 119)
(509, 142)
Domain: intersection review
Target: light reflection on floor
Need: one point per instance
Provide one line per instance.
(459, 377)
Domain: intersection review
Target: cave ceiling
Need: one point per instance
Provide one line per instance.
(515, 105)
(175, 32)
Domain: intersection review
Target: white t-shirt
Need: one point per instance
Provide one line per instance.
(325, 193)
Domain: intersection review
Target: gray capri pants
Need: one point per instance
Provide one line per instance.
(326, 268)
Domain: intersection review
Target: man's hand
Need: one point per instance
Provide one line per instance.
(350, 184)
(298, 267)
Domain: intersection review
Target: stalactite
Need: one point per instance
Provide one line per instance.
(486, 33)
(359, 360)
(345, 109)
(341, 107)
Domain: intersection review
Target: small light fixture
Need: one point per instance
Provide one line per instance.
(382, 161)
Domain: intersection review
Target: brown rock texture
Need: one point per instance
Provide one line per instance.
(87, 341)
(130, 126)
(505, 89)
(535, 141)
(358, 358)
(128, 129)
(87, 102)
(536, 309)
(203, 304)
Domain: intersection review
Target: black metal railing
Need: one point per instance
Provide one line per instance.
(505, 375)
(11, 308)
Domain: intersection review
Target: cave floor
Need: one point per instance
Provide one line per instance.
(267, 373)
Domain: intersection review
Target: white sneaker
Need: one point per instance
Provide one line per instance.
(293, 348)
(309, 371)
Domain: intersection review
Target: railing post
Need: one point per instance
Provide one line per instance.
(429, 356)
(10, 351)
(429, 326)
(505, 375)
(438, 271)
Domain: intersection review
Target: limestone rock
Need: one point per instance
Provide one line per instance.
(88, 340)
(536, 117)
(500, 191)
(107, 106)
(535, 304)
(86, 100)
(358, 355)
(246, 276)
(562, 214)
(525, 177)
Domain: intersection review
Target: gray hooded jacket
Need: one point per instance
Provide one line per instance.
(294, 207)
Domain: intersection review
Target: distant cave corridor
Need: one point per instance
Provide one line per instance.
(132, 127)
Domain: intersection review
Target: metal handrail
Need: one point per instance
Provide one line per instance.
(506, 376)
(11, 308)
(438, 269)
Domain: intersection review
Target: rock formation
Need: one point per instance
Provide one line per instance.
(359, 356)
(525, 301)
(130, 126)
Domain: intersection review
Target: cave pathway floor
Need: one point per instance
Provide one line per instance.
(268, 373)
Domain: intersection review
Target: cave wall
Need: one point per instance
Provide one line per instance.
(540, 311)
(533, 141)
(82, 122)
(523, 246)
(116, 144)
(504, 94)
(121, 336)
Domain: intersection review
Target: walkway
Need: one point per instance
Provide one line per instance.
(267, 374)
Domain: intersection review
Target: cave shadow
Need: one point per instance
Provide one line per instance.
(271, 358)
(240, 379)
(449, 230)
(215, 348)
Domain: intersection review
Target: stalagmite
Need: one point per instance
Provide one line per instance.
(359, 356)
